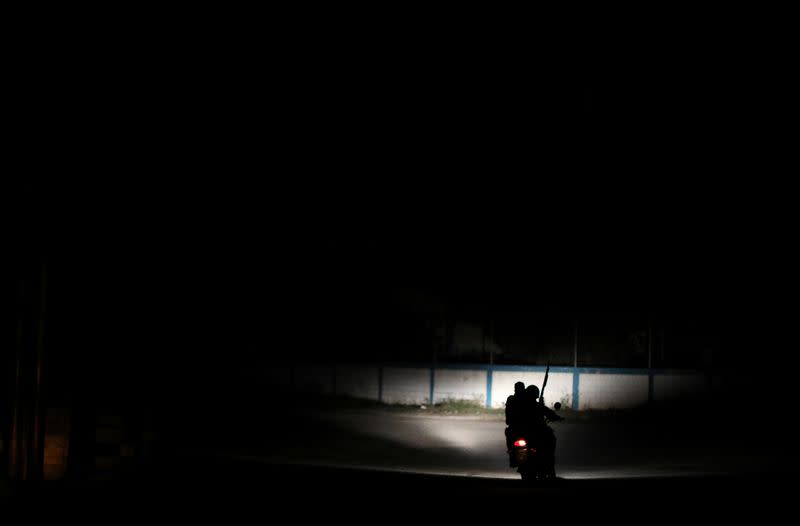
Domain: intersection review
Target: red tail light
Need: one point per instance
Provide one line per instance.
(520, 443)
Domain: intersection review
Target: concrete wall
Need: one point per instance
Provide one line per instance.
(406, 385)
(358, 382)
(579, 389)
(612, 391)
(460, 384)
(559, 386)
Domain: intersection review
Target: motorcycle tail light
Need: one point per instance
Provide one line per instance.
(520, 443)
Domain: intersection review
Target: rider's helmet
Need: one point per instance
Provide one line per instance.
(532, 391)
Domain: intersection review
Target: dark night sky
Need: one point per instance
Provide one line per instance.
(245, 175)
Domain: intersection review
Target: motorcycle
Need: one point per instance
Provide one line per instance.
(532, 454)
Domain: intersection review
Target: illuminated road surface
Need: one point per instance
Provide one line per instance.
(475, 447)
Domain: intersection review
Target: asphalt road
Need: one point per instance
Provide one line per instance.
(601, 446)
(303, 464)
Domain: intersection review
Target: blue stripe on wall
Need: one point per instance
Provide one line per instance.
(542, 368)
(433, 372)
(489, 388)
(576, 392)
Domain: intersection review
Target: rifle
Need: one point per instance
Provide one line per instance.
(544, 384)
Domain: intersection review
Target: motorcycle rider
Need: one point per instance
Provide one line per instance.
(515, 418)
(536, 417)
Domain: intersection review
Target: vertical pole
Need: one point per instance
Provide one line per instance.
(491, 347)
(576, 389)
(483, 340)
(433, 382)
(575, 374)
(575, 345)
(432, 379)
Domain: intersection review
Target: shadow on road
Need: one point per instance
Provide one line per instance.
(195, 488)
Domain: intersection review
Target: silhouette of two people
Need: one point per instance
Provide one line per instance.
(527, 416)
